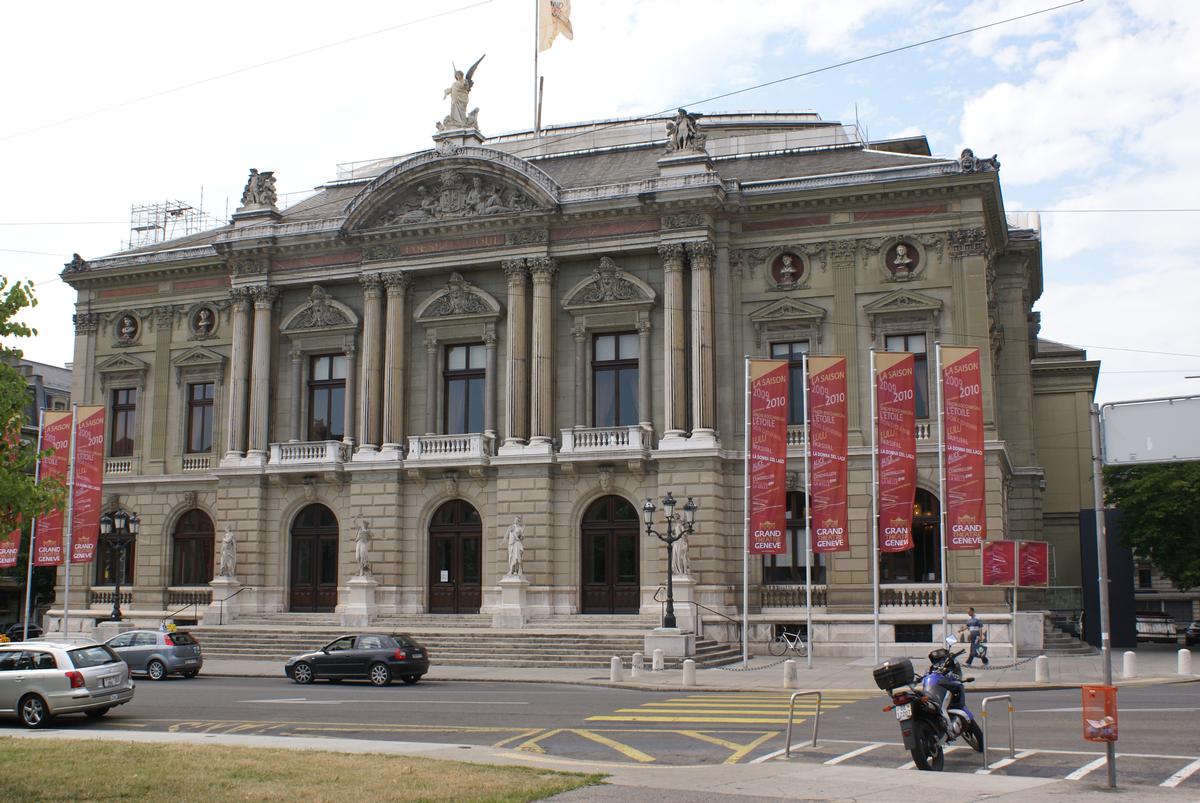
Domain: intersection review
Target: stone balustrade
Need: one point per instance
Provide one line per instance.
(910, 595)
(604, 440)
(779, 595)
(307, 453)
(197, 462)
(116, 466)
(468, 448)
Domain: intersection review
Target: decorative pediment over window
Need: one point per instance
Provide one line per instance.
(608, 287)
(902, 309)
(458, 302)
(788, 318)
(122, 370)
(320, 314)
(198, 361)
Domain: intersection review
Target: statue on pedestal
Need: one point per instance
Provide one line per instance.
(680, 565)
(228, 564)
(260, 189)
(362, 545)
(683, 133)
(459, 93)
(516, 547)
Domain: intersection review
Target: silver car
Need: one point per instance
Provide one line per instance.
(158, 653)
(42, 679)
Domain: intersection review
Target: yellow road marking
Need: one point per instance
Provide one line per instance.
(739, 751)
(532, 744)
(624, 749)
(741, 720)
(523, 735)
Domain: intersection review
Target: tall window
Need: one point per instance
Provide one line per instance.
(788, 568)
(124, 419)
(193, 552)
(792, 352)
(915, 344)
(464, 376)
(327, 397)
(615, 379)
(200, 417)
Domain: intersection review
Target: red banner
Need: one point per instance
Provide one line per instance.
(56, 436)
(1034, 564)
(89, 477)
(895, 404)
(828, 439)
(962, 422)
(768, 456)
(10, 545)
(999, 563)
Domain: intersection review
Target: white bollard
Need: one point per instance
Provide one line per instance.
(1185, 662)
(689, 672)
(636, 666)
(656, 661)
(1129, 669)
(790, 680)
(1041, 669)
(614, 669)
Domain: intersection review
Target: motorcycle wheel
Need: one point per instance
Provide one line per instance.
(973, 735)
(927, 754)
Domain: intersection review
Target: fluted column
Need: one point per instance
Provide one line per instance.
(516, 369)
(431, 384)
(674, 352)
(700, 255)
(489, 385)
(395, 358)
(260, 376)
(645, 419)
(239, 374)
(371, 385)
(351, 407)
(581, 362)
(541, 426)
(297, 426)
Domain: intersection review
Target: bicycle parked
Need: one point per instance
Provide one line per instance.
(785, 641)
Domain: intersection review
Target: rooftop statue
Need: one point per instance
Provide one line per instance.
(459, 93)
(260, 189)
(683, 133)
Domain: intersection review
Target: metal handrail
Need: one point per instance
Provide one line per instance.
(699, 621)
(787, 750)
(221, 619)
(987, 740)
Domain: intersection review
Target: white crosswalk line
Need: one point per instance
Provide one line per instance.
(1182, 775)
(1086, 768)
(768, 756)
(847, 756)
(1004, 762)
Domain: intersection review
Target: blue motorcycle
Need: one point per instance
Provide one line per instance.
(931, 708)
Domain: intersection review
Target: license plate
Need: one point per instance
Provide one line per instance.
(109, 680)
(904, 712)
(113, 697)
(418, 654)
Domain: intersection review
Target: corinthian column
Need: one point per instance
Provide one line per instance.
(674, 353)
(371, 390)
(543, 270)
(260, 382)
(395, 359)
(516, 369)
(239, 374)
(701, 257)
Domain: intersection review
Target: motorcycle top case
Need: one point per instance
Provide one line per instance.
(893, 673)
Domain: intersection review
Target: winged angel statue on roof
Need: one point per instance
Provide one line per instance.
(459, 92)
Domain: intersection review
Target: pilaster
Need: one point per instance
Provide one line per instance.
(674, 352)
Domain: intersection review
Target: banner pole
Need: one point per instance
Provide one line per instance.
(536, 44)
(937, 350)
(68, 524)
(1102, 565)
(807, 536)
(746, 525)
(37, 478)
(875, 502)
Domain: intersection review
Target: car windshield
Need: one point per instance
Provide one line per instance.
(96, 655)
(182, 638)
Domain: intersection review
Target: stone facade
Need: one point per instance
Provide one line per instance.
(529, 247)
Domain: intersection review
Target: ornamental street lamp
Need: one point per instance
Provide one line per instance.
(120, 529)
(677, 528)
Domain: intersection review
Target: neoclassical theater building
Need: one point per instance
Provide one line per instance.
(372, 383)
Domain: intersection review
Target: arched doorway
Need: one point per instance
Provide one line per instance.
(192, 549)
(922, 563)
(455, 559)
(314, 550)
(611, 583)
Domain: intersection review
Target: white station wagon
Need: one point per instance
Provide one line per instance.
(42, 679)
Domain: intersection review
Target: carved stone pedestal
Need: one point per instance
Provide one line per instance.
(513, 610)
(107, 629)
(672, 641)
(359, 609)
(684, 592)
(223, 608)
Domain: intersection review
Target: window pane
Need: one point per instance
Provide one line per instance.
(921, 384)
(627, 397)
(337, 412)
(916, 343)
(894, 343)
(456, 358)
(626, 558)
(606, 402)
(477, 356)
(209, 392)
(318, 428)
(629, 346)
(340, 366)
(320, 369)
(475, 404)
(328, 562)
(470, 560)
(456, 407)
(606, 348)
(599, 558)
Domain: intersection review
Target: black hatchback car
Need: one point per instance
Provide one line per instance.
(16, 631)
(376, 657)
(1192, 634)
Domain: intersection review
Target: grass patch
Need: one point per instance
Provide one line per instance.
(37, 769)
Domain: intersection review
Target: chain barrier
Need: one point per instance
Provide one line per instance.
(731, 668)
(992, 667)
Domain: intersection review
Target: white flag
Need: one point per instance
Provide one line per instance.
(554, 18)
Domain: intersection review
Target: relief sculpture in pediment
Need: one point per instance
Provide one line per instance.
(453, 195)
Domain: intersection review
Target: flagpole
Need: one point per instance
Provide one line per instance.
(37, 477)
(875, 501)
(536, 44)
(937, 350)
(67, 525)
(746, 527)
(807, 537)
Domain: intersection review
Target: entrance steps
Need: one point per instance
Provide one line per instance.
(1056, 641)
(464, 640)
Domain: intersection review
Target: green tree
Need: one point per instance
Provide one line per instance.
(1160, 515)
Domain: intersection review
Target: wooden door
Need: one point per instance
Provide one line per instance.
(314, 560)
(455, 559)
(611, 581)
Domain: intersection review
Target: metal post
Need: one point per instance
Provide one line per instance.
(787, 750)
(874, 506)
(1110, 750)
(118, 570)
(37, 476)
(669, 620)
(746, 527)
(1012, 737)
(68, 525)
(937, 347)
(807, 538)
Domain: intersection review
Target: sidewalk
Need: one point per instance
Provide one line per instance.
(766, 673)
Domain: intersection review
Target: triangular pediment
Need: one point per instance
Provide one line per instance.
(320, 313)
(459, 300)
(608, 286)
(122, 363)
(787, 310)
(197, 356)
(903, 301)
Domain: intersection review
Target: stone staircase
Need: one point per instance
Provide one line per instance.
(1057, 641)
(458, 640)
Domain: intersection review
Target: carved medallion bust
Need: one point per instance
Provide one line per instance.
(787, 269)
(127, 328)
(902, 260)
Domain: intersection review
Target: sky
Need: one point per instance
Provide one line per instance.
(1092, 108)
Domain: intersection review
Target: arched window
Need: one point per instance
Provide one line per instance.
(922, 563)
(788, 568)
(192, 547)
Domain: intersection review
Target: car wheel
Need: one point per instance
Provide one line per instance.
(410, 679)
(302, 673)
(33, 711)
(379, 675)
(96, 713)
(191, 673)
(156, 670)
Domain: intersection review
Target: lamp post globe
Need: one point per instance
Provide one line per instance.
(676, 529)
(120, 528)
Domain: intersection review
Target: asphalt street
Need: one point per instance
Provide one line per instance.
(1159, 741)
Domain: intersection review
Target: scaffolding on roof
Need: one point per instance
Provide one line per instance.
(150, 224)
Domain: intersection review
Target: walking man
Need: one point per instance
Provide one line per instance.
(975, 631)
